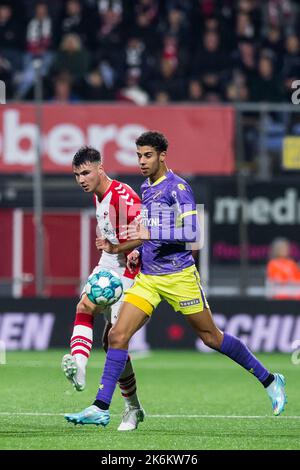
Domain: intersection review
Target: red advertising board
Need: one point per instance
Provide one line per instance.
(200, 137)
(6, 247)
(61, 254)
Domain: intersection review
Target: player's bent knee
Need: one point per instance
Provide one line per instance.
(117, 339)
(86, 307)
(211, 340)
(83, 308)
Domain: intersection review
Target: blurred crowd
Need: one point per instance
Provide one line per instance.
(146, 51)
(283, 273)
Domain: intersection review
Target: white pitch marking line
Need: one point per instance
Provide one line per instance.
(7, 413)
(146, 365)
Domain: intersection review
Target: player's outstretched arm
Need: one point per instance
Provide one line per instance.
(106, 245)
(136, 230)
(188, 232)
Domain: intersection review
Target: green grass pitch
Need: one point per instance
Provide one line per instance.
(193, 401)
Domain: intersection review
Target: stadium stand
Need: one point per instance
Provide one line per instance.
(151, 50)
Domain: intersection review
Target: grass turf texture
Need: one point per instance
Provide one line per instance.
(34, 395)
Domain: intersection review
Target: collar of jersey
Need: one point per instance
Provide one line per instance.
(162, 178)
(110, 187)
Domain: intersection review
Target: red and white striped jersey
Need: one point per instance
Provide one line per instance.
(119, 206)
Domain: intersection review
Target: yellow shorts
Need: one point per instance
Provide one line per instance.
(182, 290)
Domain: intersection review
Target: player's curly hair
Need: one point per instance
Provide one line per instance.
(86, 154)
(153, 139)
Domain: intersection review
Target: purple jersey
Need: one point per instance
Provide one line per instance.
(169, 213)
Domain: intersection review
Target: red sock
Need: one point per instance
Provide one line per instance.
(127, 385)
(82, 337)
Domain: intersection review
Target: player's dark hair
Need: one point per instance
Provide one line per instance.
(86, 154)
(153, 139)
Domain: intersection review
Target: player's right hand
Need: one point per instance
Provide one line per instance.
(133, 260)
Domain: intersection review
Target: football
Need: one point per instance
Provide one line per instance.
(104, 288)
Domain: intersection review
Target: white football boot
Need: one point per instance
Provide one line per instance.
(74, 373)
(131, 418)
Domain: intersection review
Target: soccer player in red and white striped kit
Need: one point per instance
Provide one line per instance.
(116, 205)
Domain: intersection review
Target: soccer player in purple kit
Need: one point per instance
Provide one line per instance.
(169, 221)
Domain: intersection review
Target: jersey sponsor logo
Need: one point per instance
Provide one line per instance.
(149, 221)
(153, 222)
(189, 303)
(145, 217)
(171, 218)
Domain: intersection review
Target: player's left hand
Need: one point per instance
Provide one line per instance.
(136, 230)
(105, 245)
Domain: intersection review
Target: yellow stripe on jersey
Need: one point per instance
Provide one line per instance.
(162, 178)
(184, 214)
